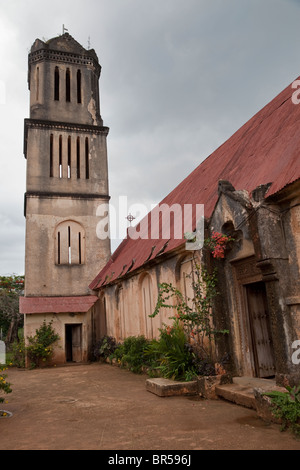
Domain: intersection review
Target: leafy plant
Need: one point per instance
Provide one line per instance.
(40, 346)
(186, 348)
(194, 313)
(105, 347)
(286, 407)
(131, 353)
(5, 386)
(11, 320)
(17, 354)
(170, 355)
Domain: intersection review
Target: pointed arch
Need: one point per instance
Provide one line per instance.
(146, 290)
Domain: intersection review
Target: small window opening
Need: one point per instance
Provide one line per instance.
(60, 156)
(68, 86)
(56, 84)
(69, 246)
(58, 248)
(87, 168)
(51, 155)
(78, 86)
(79, 247)
(69, 157)
(37, 83)
(78, 157)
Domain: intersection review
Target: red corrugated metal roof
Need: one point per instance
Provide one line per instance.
(57, 304)
(264, 150)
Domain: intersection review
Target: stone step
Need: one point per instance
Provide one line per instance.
(233, 393)
(167, 388)
(241, 391)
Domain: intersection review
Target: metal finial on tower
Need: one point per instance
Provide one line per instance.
(64, 30)
(89, 42)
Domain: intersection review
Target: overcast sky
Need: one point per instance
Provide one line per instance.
(178, 79)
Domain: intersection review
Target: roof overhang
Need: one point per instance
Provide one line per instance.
(35, 305)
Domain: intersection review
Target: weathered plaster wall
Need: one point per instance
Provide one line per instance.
(37, 152)
(129, 302)
(43, 275)
(34, 321)
(42, 103)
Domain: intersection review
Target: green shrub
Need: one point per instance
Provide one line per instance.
(131, 353)
(17, 353)
(40, 346)
(4, 385)
(286, 407)
(105, 347)
(170, 355)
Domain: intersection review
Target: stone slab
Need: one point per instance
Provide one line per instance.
(241, 391)
(167, 388)
(236, 395)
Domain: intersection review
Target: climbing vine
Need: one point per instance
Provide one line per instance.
(195, 313)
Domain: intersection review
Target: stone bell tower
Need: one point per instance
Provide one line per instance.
(67, 180)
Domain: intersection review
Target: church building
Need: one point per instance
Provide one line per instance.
(249, 189)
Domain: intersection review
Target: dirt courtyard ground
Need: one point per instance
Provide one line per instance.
(99, 406)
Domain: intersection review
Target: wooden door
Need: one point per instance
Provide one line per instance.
(76, 343)
(260, 330)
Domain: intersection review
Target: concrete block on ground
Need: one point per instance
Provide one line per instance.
(207, 385)
(236, 395)
(167, 388)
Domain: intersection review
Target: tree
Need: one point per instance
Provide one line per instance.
(11, 287)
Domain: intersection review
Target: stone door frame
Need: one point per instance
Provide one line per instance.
(245, 272)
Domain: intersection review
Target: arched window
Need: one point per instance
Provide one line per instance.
(69, 243)
(56, 84)
(147, 302)
(68, 85)
(186, 279)
(120, 321)
(78, 86)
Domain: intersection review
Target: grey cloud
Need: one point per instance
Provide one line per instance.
(178, 78)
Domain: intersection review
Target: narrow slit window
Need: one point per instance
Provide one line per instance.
(56, 84)
(78, 86)
(60, 157)
(51, 155)
(87, 167)
(79, 247)
(78, 156)
(69, 157)
(69, 246)
(68, 85)
(37, 83)
(58, 248)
